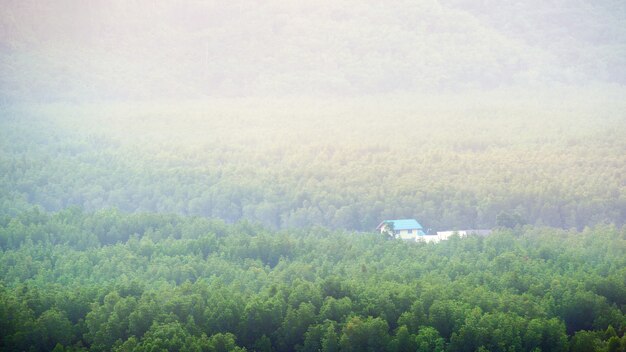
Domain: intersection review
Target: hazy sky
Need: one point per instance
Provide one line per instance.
(86, 50)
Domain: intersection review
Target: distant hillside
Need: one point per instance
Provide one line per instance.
(553, 158)
(75, 50)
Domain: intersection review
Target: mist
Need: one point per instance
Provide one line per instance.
(128, 50)
(439, 175)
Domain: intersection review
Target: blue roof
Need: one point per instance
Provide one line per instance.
(404, 224)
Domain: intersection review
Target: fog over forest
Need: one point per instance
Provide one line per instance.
(126, 50)
(224, 176)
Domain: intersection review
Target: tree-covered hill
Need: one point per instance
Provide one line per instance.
(450, 162)
(207, 176)
(75, 50)
(112, 281)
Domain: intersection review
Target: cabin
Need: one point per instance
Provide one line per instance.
(405, 229)
(411, 230)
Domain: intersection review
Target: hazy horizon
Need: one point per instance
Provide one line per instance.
(127, 50)
(209, 176)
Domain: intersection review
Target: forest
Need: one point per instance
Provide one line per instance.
(205, 176)
(293, 163)
(111, 281)
(129, 229)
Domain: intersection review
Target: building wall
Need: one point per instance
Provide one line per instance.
(428, 238)
(444, 235)
(407, 234)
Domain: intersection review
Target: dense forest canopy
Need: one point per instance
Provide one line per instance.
(112, 281)
(559, 161)
(115, 234)
(208, 176)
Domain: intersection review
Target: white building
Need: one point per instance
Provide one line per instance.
(444, 235)
(405, 229)
(411, 230)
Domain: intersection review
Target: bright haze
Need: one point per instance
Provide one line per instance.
(332, 113)
(129, 50)
(345, 175)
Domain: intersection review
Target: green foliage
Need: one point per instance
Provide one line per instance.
(429, 339)
(504, 219)
(198, 291)
(370, 334)
(552, 163)
(246, 224)
(402, 341)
